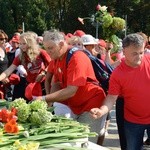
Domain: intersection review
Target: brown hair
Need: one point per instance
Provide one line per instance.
(75, 40)
(2, 33)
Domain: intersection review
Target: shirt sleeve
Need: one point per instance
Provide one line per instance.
(114, 84)
(16, 61)
(51, 67)
(17, 52)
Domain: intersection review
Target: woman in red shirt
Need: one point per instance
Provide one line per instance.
(34, 59)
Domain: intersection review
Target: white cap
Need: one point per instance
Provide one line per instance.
(88, 39)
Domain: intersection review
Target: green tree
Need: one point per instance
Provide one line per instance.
(32, 13)
(40, 15)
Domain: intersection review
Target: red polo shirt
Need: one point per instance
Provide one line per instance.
(79, 72)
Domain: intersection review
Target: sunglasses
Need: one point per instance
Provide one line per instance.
(2, 39)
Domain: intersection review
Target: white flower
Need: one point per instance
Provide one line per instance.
(26, 134)
(103, 8)
(81, 20)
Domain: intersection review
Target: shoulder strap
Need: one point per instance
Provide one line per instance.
(102, 71)
(70, 53)
(109, 68)
(92, 58)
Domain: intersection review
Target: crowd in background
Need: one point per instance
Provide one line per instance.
(33, 66)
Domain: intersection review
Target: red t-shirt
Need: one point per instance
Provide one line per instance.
(134, 85)
(51, 68)
(35, 67)
(79, 72)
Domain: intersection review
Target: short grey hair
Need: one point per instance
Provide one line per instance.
(133, 39)
(53, 35)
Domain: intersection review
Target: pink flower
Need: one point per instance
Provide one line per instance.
(98, 7)
(81, 20)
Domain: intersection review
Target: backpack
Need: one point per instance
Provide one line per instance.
(102, 71)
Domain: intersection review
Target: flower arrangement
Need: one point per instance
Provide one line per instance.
(111, 25)
(36, 112)
(25, 146)
(42, 130)
(19, 111)
(9, 119)
(11, 126)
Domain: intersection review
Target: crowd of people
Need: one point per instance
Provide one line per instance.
(34, 67)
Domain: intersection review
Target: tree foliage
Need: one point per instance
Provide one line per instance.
(40, 15)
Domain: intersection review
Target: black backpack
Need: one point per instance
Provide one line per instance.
(102, 71)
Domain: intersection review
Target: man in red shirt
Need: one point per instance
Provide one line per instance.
(131, 79)
(75, 83)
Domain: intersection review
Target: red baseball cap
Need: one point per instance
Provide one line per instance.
(33, 89)
(15, 39)
(102, 43)
(79, 33)
(14, 79)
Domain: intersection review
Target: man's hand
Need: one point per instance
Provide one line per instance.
(36, 98)
(109, 46)
(96, 113)
(41, 98)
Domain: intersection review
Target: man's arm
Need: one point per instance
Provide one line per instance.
(62, 94)
(105, 108)
(48, 81)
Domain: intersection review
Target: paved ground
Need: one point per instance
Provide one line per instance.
(112, 140)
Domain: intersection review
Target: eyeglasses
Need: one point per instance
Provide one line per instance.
(2, 39)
